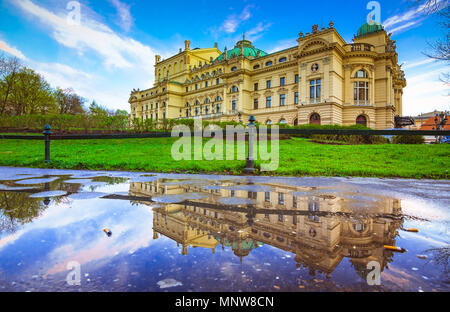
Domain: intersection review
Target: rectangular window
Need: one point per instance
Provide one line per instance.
(217, 81)
(296, 78)
(296, 98)
(281, 198)
(218, 108)
(315, 89)
(294, 201)
(280, 218)
(156, 116)
(233, 105)
(294, 220)
(282, 81)
(282, 99)
(269, 84)
(267, 197)
(269, 102)
(256, 87)
(232, 193)
(164, 115)
(206, 84)
(255, 104)
(187, 89)
(196, 86)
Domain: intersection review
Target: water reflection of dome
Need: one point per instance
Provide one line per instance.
(240, 247)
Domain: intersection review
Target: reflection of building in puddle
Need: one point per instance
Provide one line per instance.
(319, 229)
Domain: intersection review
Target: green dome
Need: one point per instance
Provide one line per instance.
(367, 29)
(247, 49)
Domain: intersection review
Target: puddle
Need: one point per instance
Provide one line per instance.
(219, 233)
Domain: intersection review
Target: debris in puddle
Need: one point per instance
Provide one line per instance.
(169, 282)
(423, 257)
(415, 269)
(394, 248)
(411, 230)
(107, 232)
(276, 287)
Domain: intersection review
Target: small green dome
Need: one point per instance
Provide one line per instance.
(367, 29)
(248, 50)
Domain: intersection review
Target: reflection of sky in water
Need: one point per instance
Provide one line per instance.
(35, 255)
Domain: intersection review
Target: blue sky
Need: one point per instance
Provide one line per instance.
(112, 50)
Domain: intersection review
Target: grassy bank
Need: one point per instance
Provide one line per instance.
(298, 157)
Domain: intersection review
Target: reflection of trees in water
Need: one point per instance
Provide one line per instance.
(18, 209)
(441, 256)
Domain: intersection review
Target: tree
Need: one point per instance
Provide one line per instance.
(68, 101)
(31, 94)
(9, 67)
(440, 49)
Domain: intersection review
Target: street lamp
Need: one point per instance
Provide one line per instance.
(440, 121)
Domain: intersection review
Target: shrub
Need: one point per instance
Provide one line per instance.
(408, 139)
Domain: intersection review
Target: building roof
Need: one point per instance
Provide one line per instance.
(368, 29)
(431, 125)
(248, 50)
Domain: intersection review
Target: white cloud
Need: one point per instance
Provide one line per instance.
(233, 21)
(123, 10)
(410, 18)
(257, 32)
(425, 92)
(284, 44)
(116, 51)
(409, 65)
(11, 50)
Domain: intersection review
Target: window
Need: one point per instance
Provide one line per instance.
(296, 78)
(156, 116)
(313, 206)
(255, 104)
(269, 122)
(361, 92)
(283, 59)
(269, 63)
(296, 97)
(164, 115)
(283, 122)
(294, 220)
(207, 110)
(196, 86)
(280, 218)
(314, 119)
(282, 99)
(196, 111)
(187, 113)
(281, 198)
(233, 105)
(255, 87)
(234, 89)
(268, 84)
(217, 81)
(233, 68)
(218, 108)
(206, 84)
(267, 197)
(256, 67)
(187, 90)
(269, 102)
(218, 99)
(294, 201)
(361, 74)
(232, 193)
(282, 81)
(315, 89)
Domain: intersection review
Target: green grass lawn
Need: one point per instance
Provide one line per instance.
(298, 157)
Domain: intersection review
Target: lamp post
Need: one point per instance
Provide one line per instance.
(250, 164)
(46, 133)
(440, 122)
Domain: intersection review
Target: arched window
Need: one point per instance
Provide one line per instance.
(269, 63)
(361, 74)
(234, 68)
(283, 122)
(218, 99)
(207, 101)
(314, 119)
(296, 122)
(361, 120)
(197, 102)
(283, 59)
(269, 122)
(256, 67)
(234, 89)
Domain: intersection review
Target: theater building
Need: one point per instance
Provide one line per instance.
(322, 80)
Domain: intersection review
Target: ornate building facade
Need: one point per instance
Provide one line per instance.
(322, 80)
